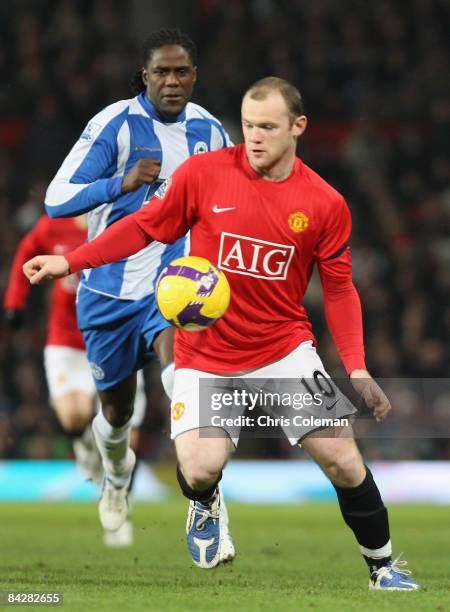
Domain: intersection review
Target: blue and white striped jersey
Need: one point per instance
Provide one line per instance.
(90, 179)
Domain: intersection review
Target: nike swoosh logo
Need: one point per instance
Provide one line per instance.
(216, 209)
(332, 405)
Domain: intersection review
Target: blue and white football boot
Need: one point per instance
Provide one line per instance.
(227, 550)
(208, 539)
(392, 578)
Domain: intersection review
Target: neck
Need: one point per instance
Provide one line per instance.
(279, 171)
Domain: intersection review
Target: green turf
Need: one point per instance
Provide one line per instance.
(289, 558)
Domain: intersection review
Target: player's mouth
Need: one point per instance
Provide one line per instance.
(257, 152)
(173, 98)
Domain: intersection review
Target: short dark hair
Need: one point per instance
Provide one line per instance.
(157, 39)
(291, 95)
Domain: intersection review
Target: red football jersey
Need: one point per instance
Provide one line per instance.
(266, 236)
(52, 236)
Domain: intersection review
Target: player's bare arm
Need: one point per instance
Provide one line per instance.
(371, 393)
(46, 267)
(145, 171)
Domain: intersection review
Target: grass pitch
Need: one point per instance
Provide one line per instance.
(289, 558)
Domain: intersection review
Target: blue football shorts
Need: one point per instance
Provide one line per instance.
(118, 334)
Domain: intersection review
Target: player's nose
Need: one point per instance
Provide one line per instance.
(256, 135)
(171, 79)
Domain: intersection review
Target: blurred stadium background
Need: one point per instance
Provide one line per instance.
(374, 76)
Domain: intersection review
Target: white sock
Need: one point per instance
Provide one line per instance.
(377, 553)
(167, 379)
(114, 446)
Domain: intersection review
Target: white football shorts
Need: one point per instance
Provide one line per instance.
(67, 370)
(302, 363)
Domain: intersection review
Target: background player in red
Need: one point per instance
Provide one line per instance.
(71, 387)
(68, 374)
(266, 219)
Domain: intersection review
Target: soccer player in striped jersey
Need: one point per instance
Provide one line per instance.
(266, 219)
(123, 155)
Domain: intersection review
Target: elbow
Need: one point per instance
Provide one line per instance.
(60, 211)
(51, 211)
(58, 202)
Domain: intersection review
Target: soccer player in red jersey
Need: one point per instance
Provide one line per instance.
(69, 381)
(265, 218)
(69, 378)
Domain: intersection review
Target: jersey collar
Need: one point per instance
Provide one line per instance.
(151, 110)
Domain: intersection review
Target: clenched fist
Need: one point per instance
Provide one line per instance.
(371, 393)
(146, 170)
(45, 267)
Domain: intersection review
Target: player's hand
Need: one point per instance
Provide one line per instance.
(45, 267)
(13, 318)
(146, 170)
(371, 393)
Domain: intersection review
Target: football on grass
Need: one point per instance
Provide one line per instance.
(192, 293)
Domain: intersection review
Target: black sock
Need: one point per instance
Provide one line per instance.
(201, 496)
(364, 512)
(375, 564)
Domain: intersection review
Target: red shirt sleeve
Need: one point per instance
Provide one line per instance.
(122, 239)
(337, 229)
(172, 210)
(342, 303)
(18, 285)
(166, 217)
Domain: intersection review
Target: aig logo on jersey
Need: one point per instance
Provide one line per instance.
(254, 257)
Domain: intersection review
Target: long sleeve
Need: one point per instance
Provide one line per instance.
(91, 174)
(122, 239)
(166, 217)
(343, 310)
(18, 286)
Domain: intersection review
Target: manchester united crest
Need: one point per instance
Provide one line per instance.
(178, 411)
(298, 222)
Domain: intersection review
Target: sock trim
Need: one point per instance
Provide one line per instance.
(195, 495)
(377, 553)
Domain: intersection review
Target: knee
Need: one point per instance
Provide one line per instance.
(118, 401)
(71, 420)
(346, 470)
(116, 416)
(199, 473)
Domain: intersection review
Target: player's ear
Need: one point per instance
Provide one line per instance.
(145, 76)
(299, 125)
(194, 73)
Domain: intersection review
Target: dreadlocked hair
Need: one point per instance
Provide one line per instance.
(163, 36)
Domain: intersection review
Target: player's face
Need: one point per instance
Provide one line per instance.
(169, 76)
(269, 133)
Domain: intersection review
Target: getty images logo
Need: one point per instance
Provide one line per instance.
(254, 257)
